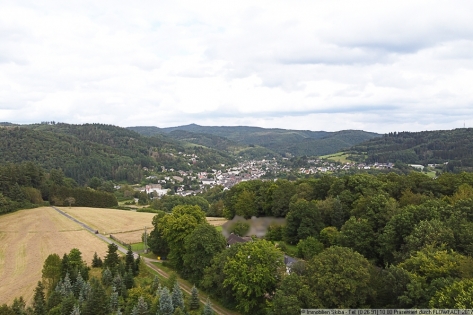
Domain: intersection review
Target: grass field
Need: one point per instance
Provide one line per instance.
(340, 157)
(27, 237)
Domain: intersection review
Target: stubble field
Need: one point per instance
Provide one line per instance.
(27, 237)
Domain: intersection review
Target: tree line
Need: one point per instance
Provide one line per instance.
(28, 185)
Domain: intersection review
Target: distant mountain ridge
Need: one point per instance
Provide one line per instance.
(279, 141)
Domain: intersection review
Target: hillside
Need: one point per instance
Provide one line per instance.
(440, 146)
(105, 151)
(279, 141)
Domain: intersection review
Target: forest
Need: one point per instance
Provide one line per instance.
(361, 241)
(98, 150)
(426, 147)
(28, 185)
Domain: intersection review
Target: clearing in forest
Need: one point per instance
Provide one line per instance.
(27, 237)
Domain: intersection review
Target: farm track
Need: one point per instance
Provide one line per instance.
(149, 262)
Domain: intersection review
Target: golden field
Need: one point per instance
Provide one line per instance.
(27, 237)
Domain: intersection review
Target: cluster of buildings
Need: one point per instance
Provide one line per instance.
(323, 167)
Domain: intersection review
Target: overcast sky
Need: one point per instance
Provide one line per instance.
(320, 65)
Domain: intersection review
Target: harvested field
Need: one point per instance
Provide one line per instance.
(27, 237)
(216, 221)
(111, 221)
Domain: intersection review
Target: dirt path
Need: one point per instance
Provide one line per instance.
(149, 262)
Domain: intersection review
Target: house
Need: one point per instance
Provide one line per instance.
(233, 239)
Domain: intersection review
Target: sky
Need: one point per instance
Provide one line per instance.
(378, 66)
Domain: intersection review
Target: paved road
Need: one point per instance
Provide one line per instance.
(149, 262)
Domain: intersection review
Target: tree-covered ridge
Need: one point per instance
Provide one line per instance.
(279, 141)
(28, 185)
(104, 151)
(426, 147)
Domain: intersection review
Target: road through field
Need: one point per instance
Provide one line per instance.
(149, 262)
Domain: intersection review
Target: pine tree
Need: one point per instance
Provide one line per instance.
(77, 287)
(19, 306)
(111, 259)
(129, 280)
(67, 305)
(155, 284)
(129, 259)
(96, 261)
(75, 310)
(107, 277)
(118, 284)
(39, 304)
(114, 300)
(194, 301)
(142, 307)
(178, 311)
(177, 299)
(208, 309)
(165, 303)
(66, 286)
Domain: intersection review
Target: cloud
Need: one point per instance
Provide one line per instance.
(404, 65)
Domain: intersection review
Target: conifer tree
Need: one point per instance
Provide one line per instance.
(155, 284)
(208, 309)
(129, 259)
(165, 303)
(194, 300)
(96, 261)
(178, 311)
(77, 287)
(66, 286)
(142, 307)
(75, 310)
(107, 277)
(114, 300)
(177, 298)
(129, 280)
(19, 306)
(111, 259)
(39, 304)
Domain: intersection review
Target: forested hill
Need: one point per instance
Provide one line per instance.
(452, 146)
(280, 141)
(104, 151)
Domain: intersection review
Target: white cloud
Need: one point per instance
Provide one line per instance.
(319, 65)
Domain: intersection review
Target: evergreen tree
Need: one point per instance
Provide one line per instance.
(111, 259)
(77, 287)
(208, 309)
(19, 306)
(114, 300)
(129, 280)
(178, 311)
(129, 259)
(194, 300)
(155, 284)
(66, 286)
(96, 261)
(39, 304)
(177, 298)
(67, 305)
(142, 307)
(54, 299)
(96, 302)
(107, 277)
(165, 303)
(75, 310)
